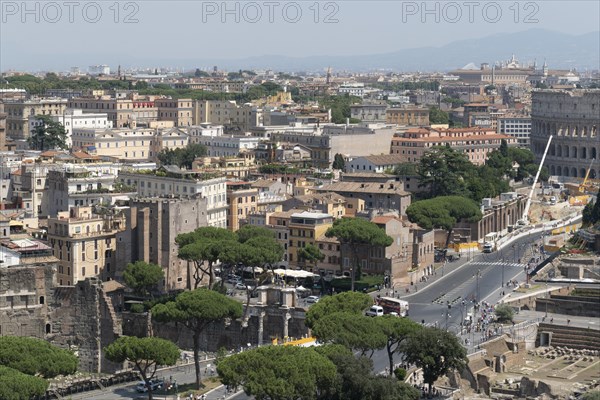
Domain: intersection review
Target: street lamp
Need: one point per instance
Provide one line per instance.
(448, 313)
(502, 261)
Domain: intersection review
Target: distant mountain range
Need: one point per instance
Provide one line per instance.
(559, 50)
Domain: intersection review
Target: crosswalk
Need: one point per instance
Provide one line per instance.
(500, 263)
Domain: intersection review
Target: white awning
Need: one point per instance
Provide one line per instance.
(294, 273)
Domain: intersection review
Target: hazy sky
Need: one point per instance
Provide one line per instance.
(81, 33)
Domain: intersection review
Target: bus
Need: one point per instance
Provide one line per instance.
(395, 306)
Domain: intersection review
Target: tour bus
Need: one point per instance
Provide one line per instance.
(393, 306)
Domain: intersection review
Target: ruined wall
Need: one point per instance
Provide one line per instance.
(83, 319)
(221, 335)
(78, 317)
(24, 294)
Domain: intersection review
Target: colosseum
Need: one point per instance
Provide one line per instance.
(573, 118)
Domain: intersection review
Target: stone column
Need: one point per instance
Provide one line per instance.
(261, 318)
(286, 318)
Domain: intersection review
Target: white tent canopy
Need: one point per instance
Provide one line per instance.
(258, 270)
(294, 273)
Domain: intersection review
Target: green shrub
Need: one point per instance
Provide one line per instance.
(137, 308)
(400, 374)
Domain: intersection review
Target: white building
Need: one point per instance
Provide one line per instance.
(75, 118)
(517, 127)
(197, 133)
(214, 190)
(99, 69)
(352, 88)
(376, 163)
(228, 145)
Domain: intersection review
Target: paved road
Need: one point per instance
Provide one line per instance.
(479, 277)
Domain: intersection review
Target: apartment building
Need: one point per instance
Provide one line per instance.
(369, 112)
(416, 116)
(376, 196)
(327, 203)
(228, 145)
(179, 111)
(242, 200)
(131, 144)
(132, 109)
(170, 181)
(517, 127)
(196, 133)
(305, 227)
(75, 119)
(384, 163)
(19, 111)
(232, 116)
(217, 86)
(152, 225)
(352, 88)
(475, 143)
(330, 140)
(75, 186)
(85, 244)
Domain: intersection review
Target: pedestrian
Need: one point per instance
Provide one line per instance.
(568, 321)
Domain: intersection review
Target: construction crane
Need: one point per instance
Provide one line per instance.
(583, 186)
(525, 219)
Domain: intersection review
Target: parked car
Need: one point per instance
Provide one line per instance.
(234, 279)
(312, 299)
(154, 384)
(240, 286)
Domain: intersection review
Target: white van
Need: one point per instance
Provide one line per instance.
(374, 311)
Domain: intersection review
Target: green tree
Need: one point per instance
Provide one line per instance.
(338, 162)
(504, 313)
(356, 332)
(437, 116)
(355, 232)
(443, 212)
(182, 157)
(196, 310)
(355, 379)
(593, 395)
(145, 353)
(33, 356)
(352, 302)
(310, 254)
(436, 351)
(405, 169)
(395, 330)
(142, 277)
(49, 134)
(256, 248)
(141, 85)
(443, 171)
(279, 372)
(203, 248)
(15, 385)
